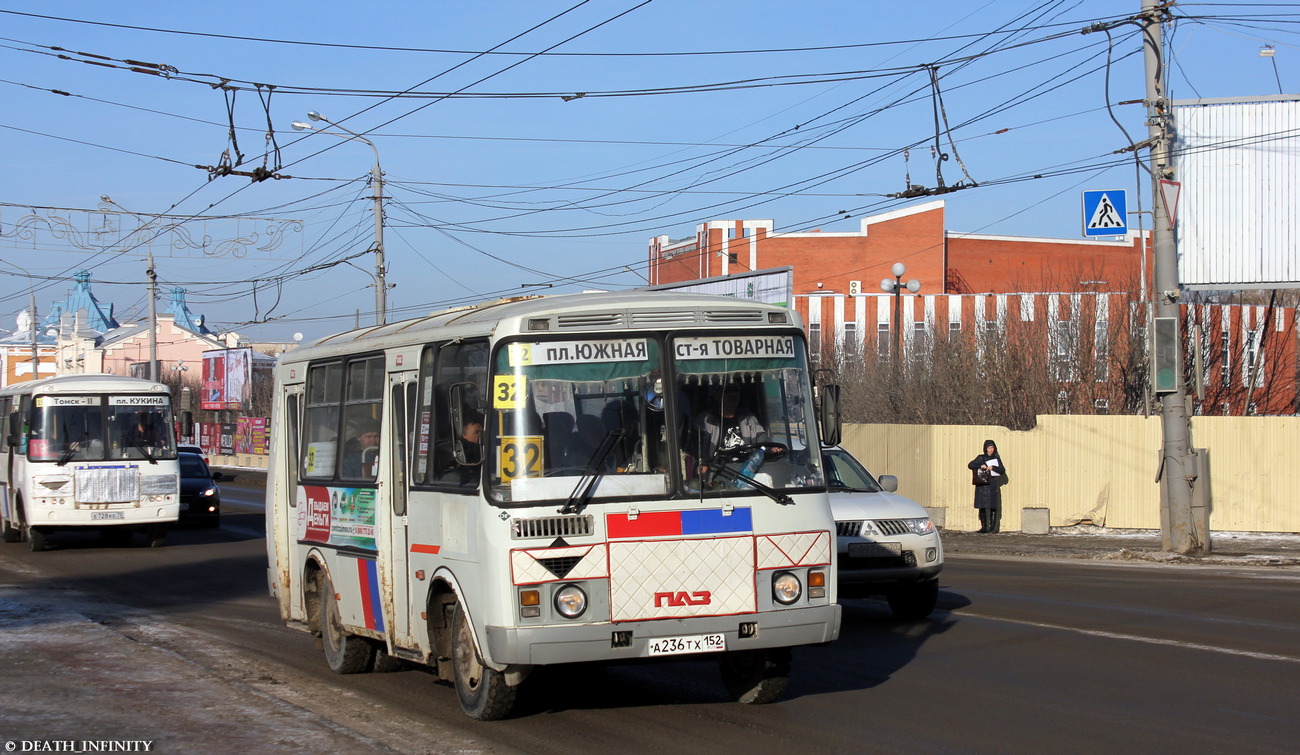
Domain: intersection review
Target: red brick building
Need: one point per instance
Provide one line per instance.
(1083, 296)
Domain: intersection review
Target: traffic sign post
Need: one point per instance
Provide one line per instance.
(1105, 213)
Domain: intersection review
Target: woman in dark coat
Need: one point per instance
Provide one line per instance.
(988, 498)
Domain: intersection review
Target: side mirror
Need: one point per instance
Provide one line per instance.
(463, 407)
(829, 414)
(15, 428)
(888, 482)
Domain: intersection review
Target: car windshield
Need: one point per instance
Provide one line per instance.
(192, 466)
(843, 472)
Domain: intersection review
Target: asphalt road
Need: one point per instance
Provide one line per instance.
(1024, 655)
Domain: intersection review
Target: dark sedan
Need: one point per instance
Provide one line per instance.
(200, 497)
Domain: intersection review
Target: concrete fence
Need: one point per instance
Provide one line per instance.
(1100, 469)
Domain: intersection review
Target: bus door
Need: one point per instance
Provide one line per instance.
(401, 407)
(283, 502)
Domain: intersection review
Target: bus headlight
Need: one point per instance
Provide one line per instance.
(786, 588)
(570, 601)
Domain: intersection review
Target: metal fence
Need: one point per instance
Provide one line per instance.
(1098, 469)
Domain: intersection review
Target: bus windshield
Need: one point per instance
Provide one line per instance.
(645, 425)
(100, 428)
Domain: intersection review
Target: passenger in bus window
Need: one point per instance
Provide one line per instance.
(362, 451)
(728, 427)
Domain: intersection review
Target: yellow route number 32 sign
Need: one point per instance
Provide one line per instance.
(520, 456)
(509, 391)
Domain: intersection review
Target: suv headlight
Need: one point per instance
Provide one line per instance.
(920, 526)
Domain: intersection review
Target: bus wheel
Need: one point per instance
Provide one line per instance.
(36, 540)
(157, 536)
(756, 677)
(483, 692)
(10, 533)
(346, 653)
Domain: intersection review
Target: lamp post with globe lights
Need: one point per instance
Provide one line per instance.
(896, 287)
(377, 182)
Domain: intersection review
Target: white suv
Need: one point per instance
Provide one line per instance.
(886, 543)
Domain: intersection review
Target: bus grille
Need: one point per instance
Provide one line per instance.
(108, 484)
(551, 526)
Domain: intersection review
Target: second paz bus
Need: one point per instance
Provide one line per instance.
(549, 480)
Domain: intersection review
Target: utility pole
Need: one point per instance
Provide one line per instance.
(153, 319)
(1177, 465)
(381, 287)
(36, 356)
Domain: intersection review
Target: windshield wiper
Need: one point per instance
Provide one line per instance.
(135, 442)
(729, 474)
(591, 475)
(73, 448)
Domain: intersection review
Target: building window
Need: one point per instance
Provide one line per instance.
(882, 340)
(1063, 346)
(850, 340)
(1101, 336)
(1254, 359)
(1225, 344)
(815, 339)
(732, 257)
(1102, 406)
(1063, 402)
(954, 329)
(1252, 409)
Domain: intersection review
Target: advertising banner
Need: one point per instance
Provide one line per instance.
(343, 517)
(227, 378)
(226, 445)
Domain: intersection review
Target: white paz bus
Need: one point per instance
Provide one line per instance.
(549, 480)
(87, 451)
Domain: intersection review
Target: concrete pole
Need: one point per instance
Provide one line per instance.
(36, 355)
(1179, 534)
(153, 319)
(381, 287)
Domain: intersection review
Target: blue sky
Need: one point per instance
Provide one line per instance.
(692, 110)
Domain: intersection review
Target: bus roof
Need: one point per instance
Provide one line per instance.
(87, 382)
(586, 312)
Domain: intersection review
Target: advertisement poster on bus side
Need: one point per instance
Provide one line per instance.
(342, 517)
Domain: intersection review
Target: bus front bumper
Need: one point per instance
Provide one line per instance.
(575, 643)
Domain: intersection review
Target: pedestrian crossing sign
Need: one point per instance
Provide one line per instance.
(1105, 213)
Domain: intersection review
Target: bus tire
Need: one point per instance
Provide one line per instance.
(36, 539)
(483, 692)
(10, 533)
(346, 653)
(756, 677)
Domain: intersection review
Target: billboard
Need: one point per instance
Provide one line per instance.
(1238, 161)
(227, 378)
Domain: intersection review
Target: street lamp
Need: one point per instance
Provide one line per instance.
(896, 287)
(381, 288)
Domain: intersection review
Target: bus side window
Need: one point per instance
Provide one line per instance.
(459, 364)
(362, 418)
(321, 423)
(5, 407)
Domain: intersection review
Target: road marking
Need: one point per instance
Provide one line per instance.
(1137, 638)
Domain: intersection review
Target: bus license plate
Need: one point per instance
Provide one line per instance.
(697, 643)
(100, 515)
